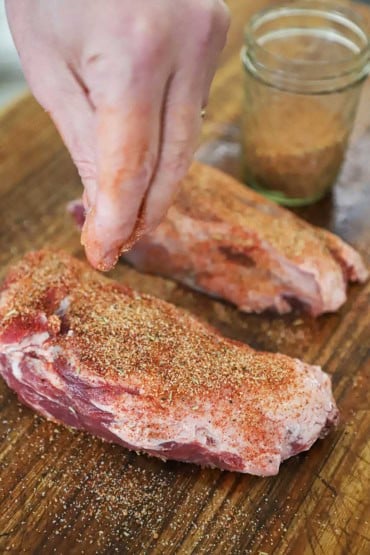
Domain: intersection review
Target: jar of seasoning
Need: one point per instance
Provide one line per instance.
(305, 63)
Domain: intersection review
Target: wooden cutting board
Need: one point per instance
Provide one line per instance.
(66, 492)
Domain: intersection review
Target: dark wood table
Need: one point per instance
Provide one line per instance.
(66, 492)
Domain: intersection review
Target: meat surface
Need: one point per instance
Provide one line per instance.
(94, 354)
(224, 239)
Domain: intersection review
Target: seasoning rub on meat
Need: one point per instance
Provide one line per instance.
(96, 355)
(226, 240)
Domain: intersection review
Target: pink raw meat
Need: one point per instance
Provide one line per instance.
(226, 240)
(93, 354)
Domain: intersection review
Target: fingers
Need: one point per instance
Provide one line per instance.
(54, 84)
(181, 121)
(181, 125)
(217, 39)
(130, 140)
(60, 93)
(74, 119)
(127, 152)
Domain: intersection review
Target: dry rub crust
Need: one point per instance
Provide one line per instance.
(224, 239)
(227, 240)
(120, 333)
(133, 369)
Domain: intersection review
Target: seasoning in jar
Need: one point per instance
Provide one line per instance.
(305, 64)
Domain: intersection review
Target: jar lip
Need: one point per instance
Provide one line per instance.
(341, 14)
(317, 86)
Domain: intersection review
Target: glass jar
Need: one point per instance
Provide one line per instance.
(305, 63)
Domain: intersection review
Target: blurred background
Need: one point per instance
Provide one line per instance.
(12, 83)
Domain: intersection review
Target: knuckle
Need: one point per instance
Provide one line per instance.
(86, 169)
(144, 170)
(94, 59)
(213, 17)
(149, 40)
(222, 16)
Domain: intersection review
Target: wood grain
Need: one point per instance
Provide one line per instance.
(65, 492)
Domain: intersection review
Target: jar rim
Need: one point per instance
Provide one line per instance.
(355, 67)
(345, 15)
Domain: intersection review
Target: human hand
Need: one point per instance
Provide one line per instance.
(125, 83)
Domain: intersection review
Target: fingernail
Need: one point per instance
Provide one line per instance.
(108, 261)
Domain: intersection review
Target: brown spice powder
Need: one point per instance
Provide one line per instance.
(296, 148)
(119, 334)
